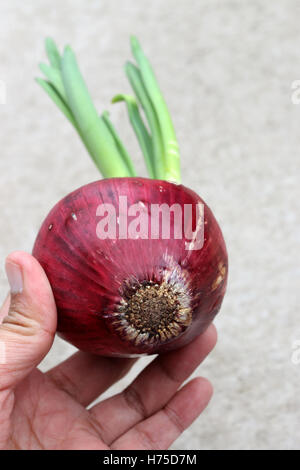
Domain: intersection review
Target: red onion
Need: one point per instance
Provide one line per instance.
(136, 289)
(131, 296)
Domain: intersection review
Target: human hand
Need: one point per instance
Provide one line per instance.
(49, 410)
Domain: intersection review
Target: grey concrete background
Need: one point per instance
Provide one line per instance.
(226, 68)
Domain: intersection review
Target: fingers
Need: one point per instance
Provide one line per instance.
(160, 430)
(85, 376)
(153, 388)
(27, 331)
(5, 307)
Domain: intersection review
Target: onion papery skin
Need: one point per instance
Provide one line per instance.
(89, 275)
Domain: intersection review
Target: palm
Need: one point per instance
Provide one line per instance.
(49, 411)
(46, 417)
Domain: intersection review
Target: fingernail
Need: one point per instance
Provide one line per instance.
(14, 276)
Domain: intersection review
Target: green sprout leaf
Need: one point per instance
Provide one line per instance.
(140, 130)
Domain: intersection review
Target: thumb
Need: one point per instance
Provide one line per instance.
(27, 331)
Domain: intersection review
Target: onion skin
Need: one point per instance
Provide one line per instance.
(87, 274)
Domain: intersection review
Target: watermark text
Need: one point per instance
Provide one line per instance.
(153, 221)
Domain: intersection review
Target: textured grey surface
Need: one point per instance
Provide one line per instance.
(226, 68)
